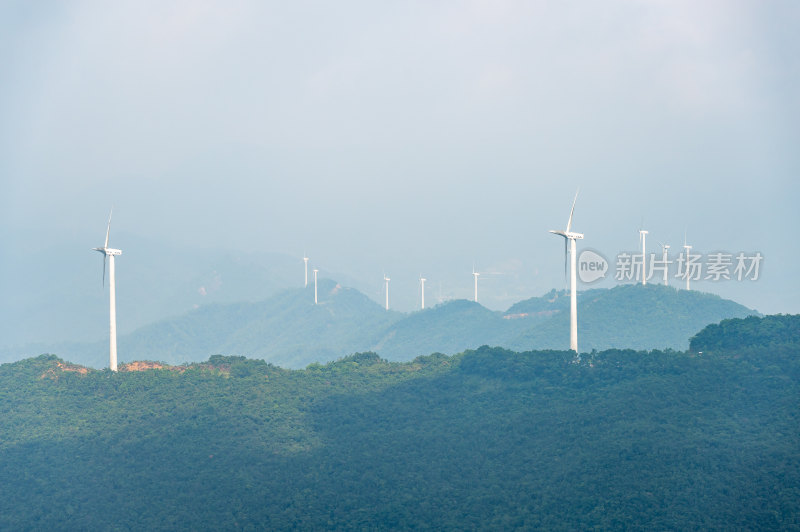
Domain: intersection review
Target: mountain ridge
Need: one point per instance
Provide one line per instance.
(288, 329)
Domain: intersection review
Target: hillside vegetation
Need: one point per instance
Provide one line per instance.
(487, 439)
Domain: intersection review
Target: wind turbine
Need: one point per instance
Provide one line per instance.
(664, 254)
(642, 239)
(475, 275)
(315, 285)
(422, 290)
(569, 239)
(686, 249)
(305, 259)
(386, 281)
(110, 253)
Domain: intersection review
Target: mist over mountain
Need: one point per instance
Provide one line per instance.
(289, 330)
(48, 302)
(266, 128)
(66, 300)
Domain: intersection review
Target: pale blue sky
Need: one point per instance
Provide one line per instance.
(410, 137)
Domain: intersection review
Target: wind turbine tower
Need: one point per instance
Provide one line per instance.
(569, 240)
(475, 275)
(664, 255)
(110, 253)
(315, 285)
(305, 260)
(643, 238)
(386, 282)
(422, 290)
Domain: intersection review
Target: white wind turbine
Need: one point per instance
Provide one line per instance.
(315, 285)
(422, 290)
(110, 253)
(642, 239)
(475, 275)
(386, 282)
(305, 260)
(569, 240)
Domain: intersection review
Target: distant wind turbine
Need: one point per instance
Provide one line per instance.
(110, 253)
(305, 260)
(569, 239)
(422, 290)
(475, 275)
(386, 281)
(315, 285)
(664, 255)
(642, 239)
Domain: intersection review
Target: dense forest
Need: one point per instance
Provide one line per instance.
(486, 439)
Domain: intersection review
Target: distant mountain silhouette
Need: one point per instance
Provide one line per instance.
(626, 316)
(289, 330)
(447, 328)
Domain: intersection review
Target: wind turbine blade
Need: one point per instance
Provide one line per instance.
(108, 229)
(566, 252)
(571, 212)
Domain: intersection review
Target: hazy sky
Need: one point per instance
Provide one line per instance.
(408, 137)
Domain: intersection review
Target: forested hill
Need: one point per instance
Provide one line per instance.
(779, 332)
(487, 439)
(626, 316)
(291, 331)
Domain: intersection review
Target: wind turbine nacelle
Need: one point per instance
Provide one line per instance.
(110, 251)
(568, 234)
